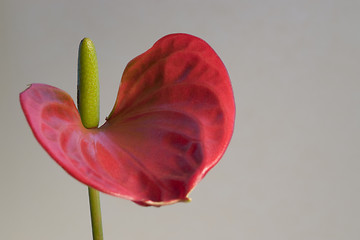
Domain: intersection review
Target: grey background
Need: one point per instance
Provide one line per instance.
(292, 168)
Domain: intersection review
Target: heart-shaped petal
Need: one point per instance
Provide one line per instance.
(172, 121)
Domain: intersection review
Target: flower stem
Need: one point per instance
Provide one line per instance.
(88, 105)
(95, 210)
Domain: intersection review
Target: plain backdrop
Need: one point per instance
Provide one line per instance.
(292, 168)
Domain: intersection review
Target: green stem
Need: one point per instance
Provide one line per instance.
(95, 210)
(88, 104)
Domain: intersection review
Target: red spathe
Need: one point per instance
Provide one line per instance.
(172, 121)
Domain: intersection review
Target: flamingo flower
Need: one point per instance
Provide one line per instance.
(171, 123)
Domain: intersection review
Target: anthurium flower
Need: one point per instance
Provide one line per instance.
(172, 121)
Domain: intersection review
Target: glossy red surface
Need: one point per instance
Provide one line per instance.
(171, 123)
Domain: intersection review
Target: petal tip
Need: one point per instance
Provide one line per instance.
(27, 87)
(160, 204)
